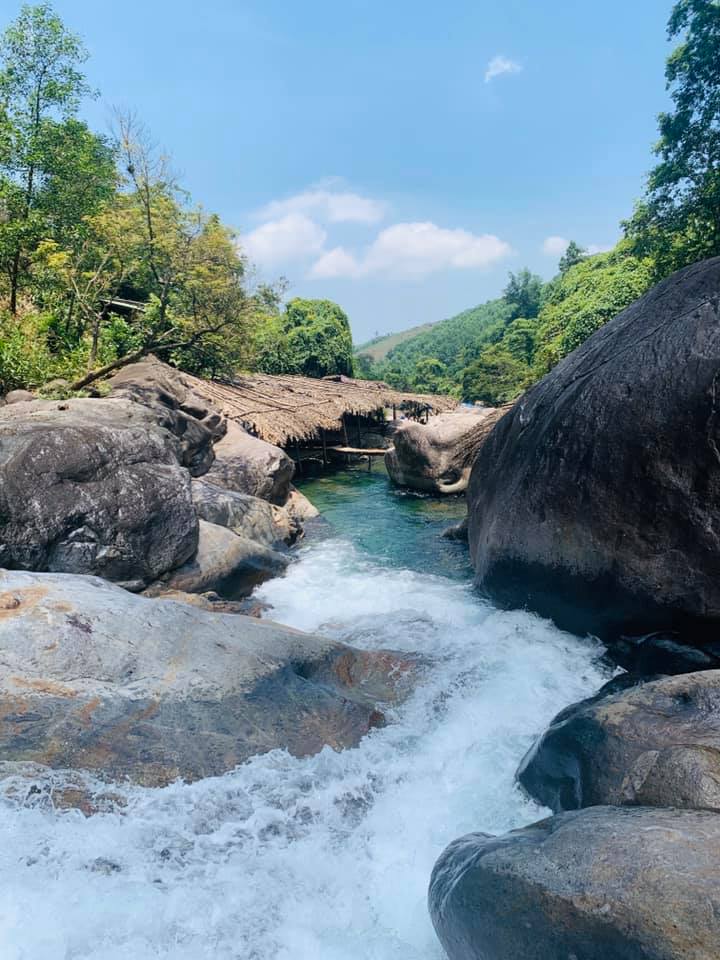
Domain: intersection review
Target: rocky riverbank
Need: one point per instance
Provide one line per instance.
(151, 489)
(596, 501)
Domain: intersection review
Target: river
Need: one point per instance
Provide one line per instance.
(326, 858)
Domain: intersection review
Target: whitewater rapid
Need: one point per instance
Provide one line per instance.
(326, 858)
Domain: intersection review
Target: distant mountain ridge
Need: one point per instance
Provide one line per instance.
(379, 347)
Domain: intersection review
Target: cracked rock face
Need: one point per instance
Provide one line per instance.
(657, 744)
(93, 486)
(596, 500)
(93, 678)
(436, 457)
(605, 883)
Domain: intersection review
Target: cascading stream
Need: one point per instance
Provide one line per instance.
(326, 858)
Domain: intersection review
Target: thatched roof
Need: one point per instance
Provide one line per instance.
(285, 408)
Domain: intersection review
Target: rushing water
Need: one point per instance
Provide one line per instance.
(326, 858)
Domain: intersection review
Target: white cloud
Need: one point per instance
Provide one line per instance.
(336, 263)
(327, 205)
(415, 248)
(288, 238)
(555, 246)
(500, 65)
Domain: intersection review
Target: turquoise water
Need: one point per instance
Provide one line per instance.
(394, 527)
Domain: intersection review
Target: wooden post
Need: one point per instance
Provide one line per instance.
(359, 431)
(347, 442)
(324, 443)
(394, 414)
(369, 464)
(299, 458)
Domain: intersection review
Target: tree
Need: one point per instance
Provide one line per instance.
(53, 170)
(523, 294)
(430, 376)
(573, 254)
(679, 220)
(312, 338)
(495, 377)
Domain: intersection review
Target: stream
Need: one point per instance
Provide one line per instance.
(326, 858)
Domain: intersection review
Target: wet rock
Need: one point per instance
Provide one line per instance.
(437, 457)
(248, 465)
(458, 531)
(249, 517)
(655, 744)
(300, 508)
(94, 678)
(92, 486)
(663, 653)
(596, 500)
(177, 408)
(599, 884)
(227, 563)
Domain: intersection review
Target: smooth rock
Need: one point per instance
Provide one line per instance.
(246, 516)
(655, 744)
(596, 500)
(249, 465)
(92, 486)
(18, 396)
(437, 457)
(95, 678)
(300, 508)
(224, 562)
(165, 391)
(600, 884)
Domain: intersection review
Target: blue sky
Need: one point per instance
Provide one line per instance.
(398, 157)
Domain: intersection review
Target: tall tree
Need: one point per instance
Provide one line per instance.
(523, 294)
(679, 220)
(573, 254)
(52, 168)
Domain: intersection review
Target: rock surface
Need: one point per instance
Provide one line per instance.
(246, 516)
(163, 390)
(437, 457)
(656, 744)
(599, 884)
(95, 678)
(300, 508)
(226, 563)
(248, 465)
(596, 500)
(93, 486)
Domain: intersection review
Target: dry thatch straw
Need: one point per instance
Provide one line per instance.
(283, 409)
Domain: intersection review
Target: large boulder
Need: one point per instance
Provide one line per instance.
(95, 678)
(436, 457)
(600, 884)
(226, 563)
(246, 516)
(93, 486)
(167, 393)
(655, 744)
(596, 500)
(249, 465)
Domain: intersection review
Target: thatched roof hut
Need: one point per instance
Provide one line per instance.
(285, 409)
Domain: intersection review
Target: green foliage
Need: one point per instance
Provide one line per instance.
(496, 377)
(679, 220)
(573, 255)
(523, 294)
(581, 300)
(312, 338)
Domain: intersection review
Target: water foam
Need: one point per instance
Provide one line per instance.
(326, 858)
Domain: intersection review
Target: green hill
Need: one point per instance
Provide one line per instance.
(378, 348)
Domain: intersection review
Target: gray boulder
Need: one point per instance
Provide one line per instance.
(600, 884)
(18, 396)
(655, 744)
(247, 516)
(92, 486)
(596, 500)
(178, 409)
(248, 465)
(95, 678)
(437, 457)
(227, 563)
